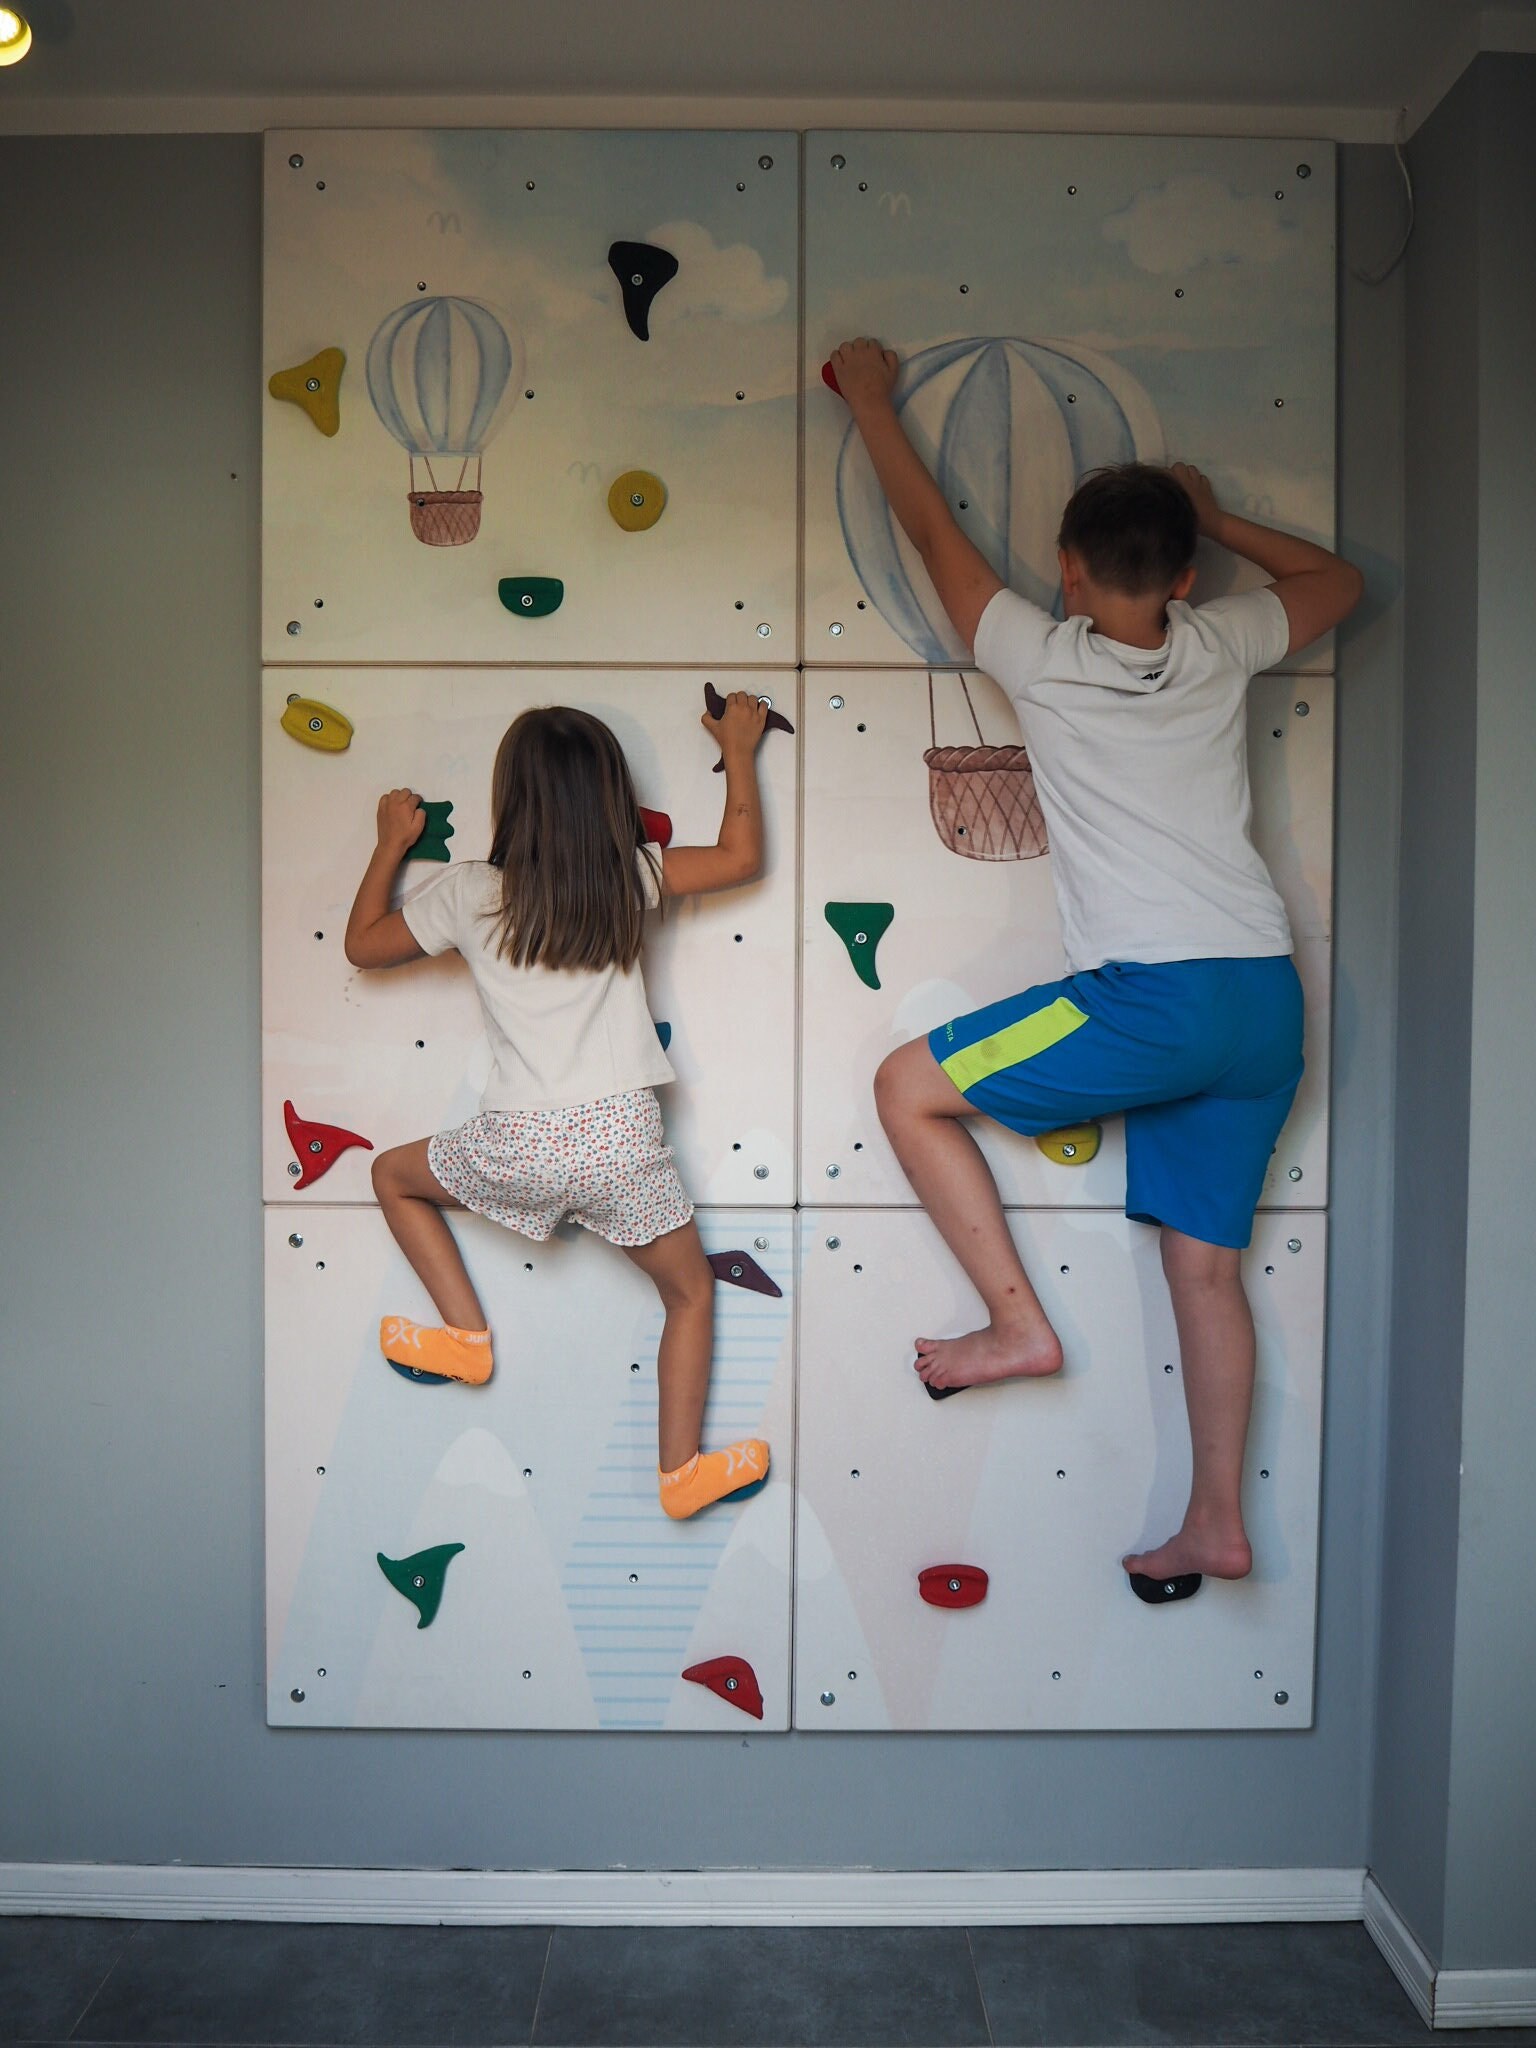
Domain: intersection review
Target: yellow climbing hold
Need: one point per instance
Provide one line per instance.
(317, 725)
(316, 385)
(1074, 1146)
(637, 500)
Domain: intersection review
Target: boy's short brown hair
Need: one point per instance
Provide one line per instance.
(1132, 526)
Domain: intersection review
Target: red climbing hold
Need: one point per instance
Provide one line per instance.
(953, 1585)
(658, 827)
(829, 378)
(740, 1269)
(714, 704)
(733, 1679)
(318, 1146)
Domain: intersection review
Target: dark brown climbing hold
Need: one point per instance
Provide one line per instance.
(714, 704)
(642, 269)
(740, 1269)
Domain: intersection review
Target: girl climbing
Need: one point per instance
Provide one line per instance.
(551, 926)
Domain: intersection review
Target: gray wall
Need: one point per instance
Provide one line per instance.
(130, 1434)
(1455, 1791)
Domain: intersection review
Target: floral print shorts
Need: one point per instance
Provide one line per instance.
(605, 1165)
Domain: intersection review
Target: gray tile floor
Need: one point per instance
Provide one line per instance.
(207, 1983)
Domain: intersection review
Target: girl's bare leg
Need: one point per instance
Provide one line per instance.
(413, 1201)
(923, 1113)
(1216, 1348)
(686, 1284)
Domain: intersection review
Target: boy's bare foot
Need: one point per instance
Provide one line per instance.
(1033, 1353)
(1216, 1550)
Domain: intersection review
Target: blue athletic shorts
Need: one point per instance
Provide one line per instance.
(1203, 1058)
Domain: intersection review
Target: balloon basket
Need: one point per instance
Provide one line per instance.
(982, 799)
(445, 519)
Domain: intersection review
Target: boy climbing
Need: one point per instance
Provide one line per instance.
(1181, 1008)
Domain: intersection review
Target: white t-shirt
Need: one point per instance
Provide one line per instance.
(1141, 765)
(559, 1035)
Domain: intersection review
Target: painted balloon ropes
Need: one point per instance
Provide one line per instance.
(1007, 427)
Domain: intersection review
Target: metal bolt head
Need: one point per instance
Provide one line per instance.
(834, 1244)
(294, 629)
(311, 383)
(636, 278)
(417, 1581)
(737, 1272)
(1293, 1244)
(637, 497)
(861, 938)
(839, 163)
(731, 1684)
(760, 1243)
(295, 1239)
(297, 1695)
(1303, 170)
(835, 628)
(293, 1169)
(764, 629)
(317, 1145)
(759, 1173)
(836, 703)
(765, 163)
(526, 600)
(954, 1585)
(1295, 1173)
(1069, 1151)
(833, 1172)
(829, 1699)
(295, 163)
(1281, 1698)
(1302, 710)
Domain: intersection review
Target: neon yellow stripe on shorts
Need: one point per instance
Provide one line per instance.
(1020, 1040)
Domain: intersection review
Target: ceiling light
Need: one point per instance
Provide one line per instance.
(15, 36)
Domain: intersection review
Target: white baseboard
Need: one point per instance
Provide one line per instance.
(1447, 1998)
(715, 1898)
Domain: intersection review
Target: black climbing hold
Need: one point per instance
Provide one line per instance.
(1158, 1592)
(642, 269)
(714, 704)
(940, 1393)
(421, 1576)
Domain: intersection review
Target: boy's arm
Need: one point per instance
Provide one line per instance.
(376, 935)
(1317, 589)
(737, 855)
(964, 579)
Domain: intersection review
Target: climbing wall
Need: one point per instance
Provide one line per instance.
(394, 1056)
(964, 932)
(574, 1602)
(546, 424)
(465, 277)
(1041, 1487)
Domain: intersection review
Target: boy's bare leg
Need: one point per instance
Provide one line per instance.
(923, 1113)
(684, 1280)
(1216, 1348)
(413, 1201)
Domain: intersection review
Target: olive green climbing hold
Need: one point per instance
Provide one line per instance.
(420, 1577)
(435, 834)
(531, 597)
(315, 385)
(637, 500)
(861, 926)
(1073, 1146)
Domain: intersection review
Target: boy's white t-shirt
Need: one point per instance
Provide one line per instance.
(1140, 758)
(558, 1035)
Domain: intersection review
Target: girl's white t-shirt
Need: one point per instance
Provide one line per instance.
(558, 1035)
(1140, 756)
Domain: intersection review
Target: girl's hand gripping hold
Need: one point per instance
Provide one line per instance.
(401, 821)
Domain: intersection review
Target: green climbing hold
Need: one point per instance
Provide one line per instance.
(420, 1578)
(861, 927)
(531, 597)
(435, 834)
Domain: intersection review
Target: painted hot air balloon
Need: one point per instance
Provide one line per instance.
(441, 374)
(1008, 427)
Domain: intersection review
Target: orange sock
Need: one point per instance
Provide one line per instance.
(447, 1353)
(713, 1475)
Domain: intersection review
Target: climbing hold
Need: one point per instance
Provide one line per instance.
(1074, 1145)
(637, 500)
(1158, 1592)
(940, 1393)
(642, 269)
(658, 827)
(664, 1033)
(317, 725)
(953, 1585)
(829, 378)
(740, 1269)
(714, 704)
(317, 1147)
(861, 926)
(435, 834)
(420, 1577)
(315, 385)
(531, 597)
(733, 1680)
(424, 1379)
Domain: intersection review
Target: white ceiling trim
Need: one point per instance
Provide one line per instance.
(141, 115)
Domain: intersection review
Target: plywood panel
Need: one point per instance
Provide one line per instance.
(362, 227)
(575, 1603)
(1060, 302)
(1044, 1485)
(967, 932)
(400, 1054)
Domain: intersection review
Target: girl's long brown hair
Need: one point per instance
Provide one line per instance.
(565, 828)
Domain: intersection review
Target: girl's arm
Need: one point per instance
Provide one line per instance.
(1318, 589)
(376, 935)
(965, 580)
(737, 855)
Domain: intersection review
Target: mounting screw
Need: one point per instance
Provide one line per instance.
(731, 1684)
(526, 600)
(954, 1585)
(295, 1239)
(836, 703)
(835, 628)
(1293, 1244)
(295, 163)
(293, 1169)
(317, 1144)
(834, 1244)
(1069, 1151)
(828, 1699)
(764, 629)
(765, 163)
(760, 1243)
(1303, 170)
(637, 278)
(297, 1695)
(839, 163)
(833, 1172)
(759, 1173)
(1302, 710)
(1295, 1173)
(311, 383)
(1281, 1698)
(294, 629)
